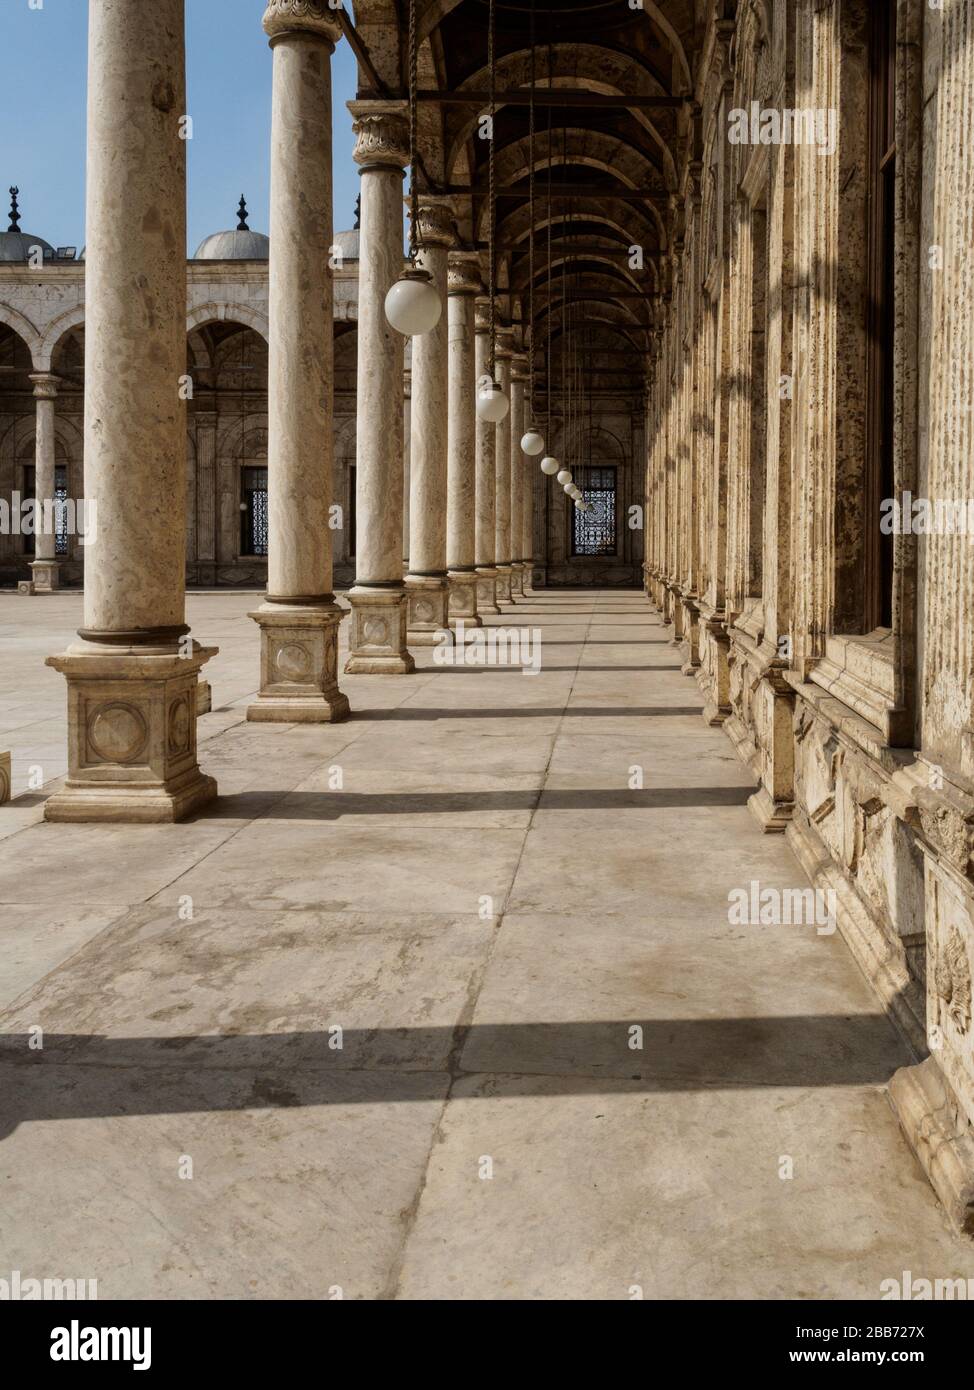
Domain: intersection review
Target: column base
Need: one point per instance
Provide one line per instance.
(4, 778)
(527, 575)
(463, 598)
(378, 635)
(503, 587)
(44, 576)
(517, 579)
(427, 608)
(204, 698)
(131, 735)
(299, 665)
(486, 590)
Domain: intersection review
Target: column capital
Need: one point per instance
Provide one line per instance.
(314, 17)
(45, 385)
(519, 367)
(463, 273)
(435, 224)
(505, 344)
(381, 134)
(482, 315)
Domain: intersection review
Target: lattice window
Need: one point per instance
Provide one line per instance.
(60, 511)
(60, 500)
(253, 511)
(594, 532)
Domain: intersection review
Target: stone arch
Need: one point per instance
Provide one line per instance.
(54, 334)
(26, 331)
(228, 311)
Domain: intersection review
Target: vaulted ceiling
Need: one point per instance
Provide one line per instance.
(612, 110)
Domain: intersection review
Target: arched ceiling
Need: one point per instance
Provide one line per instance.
(613, 113)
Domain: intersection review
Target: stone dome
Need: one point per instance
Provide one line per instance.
(16, 246)
(347, 244)
(241, 244)
(234, 246)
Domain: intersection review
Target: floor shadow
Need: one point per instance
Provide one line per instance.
(328, 805)
(85, 1076)
(410, 713)
(545, 669)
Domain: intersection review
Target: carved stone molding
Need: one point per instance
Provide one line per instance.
(952, 978)
(481, 318)
(381, 137)
(302, 16)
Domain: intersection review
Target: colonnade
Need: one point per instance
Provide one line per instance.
(133, 673)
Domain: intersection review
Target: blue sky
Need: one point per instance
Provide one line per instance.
(42, 117)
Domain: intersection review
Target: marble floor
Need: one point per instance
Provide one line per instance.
(438, 1003)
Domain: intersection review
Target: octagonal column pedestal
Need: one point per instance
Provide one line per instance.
(44, 566)
(519, 376)
(463, 284)
(485, 439)
(132, 678)
(426, 581)
(299, 619)
(502, 472)
(377, 641)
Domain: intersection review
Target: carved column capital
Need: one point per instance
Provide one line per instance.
(435, 224)
(45, 385)
(463, 273)
(313, 17)
(519, 367)
(381, 134)
(481, 321)
(505, 344)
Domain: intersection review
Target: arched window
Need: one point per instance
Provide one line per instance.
(594, 532)
(253, 511)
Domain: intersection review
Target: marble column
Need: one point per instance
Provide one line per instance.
(502, 472)
(485, 531)
(519, 376)
(206, 508)
(407, 429)
(132, 678)
(378, 638)
(426, 583)
(463, 284)
(44, 567)
(299, 618)
(530, 473)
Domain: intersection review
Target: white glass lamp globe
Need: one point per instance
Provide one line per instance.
(576, 493)
(413, 305)
(580, 505)
(532, 443)
(492, 404)
(550, 465)
(565, 476)
(568, 489)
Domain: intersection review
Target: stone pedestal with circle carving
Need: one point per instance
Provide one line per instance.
(131, 735)
(299, 665)
(377, 641)
(4, 778)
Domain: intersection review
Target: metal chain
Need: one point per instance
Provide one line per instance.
(531, 233)
(413, 84)
(491, 192)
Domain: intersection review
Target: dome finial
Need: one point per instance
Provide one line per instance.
(14, 214)
(242, 215)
